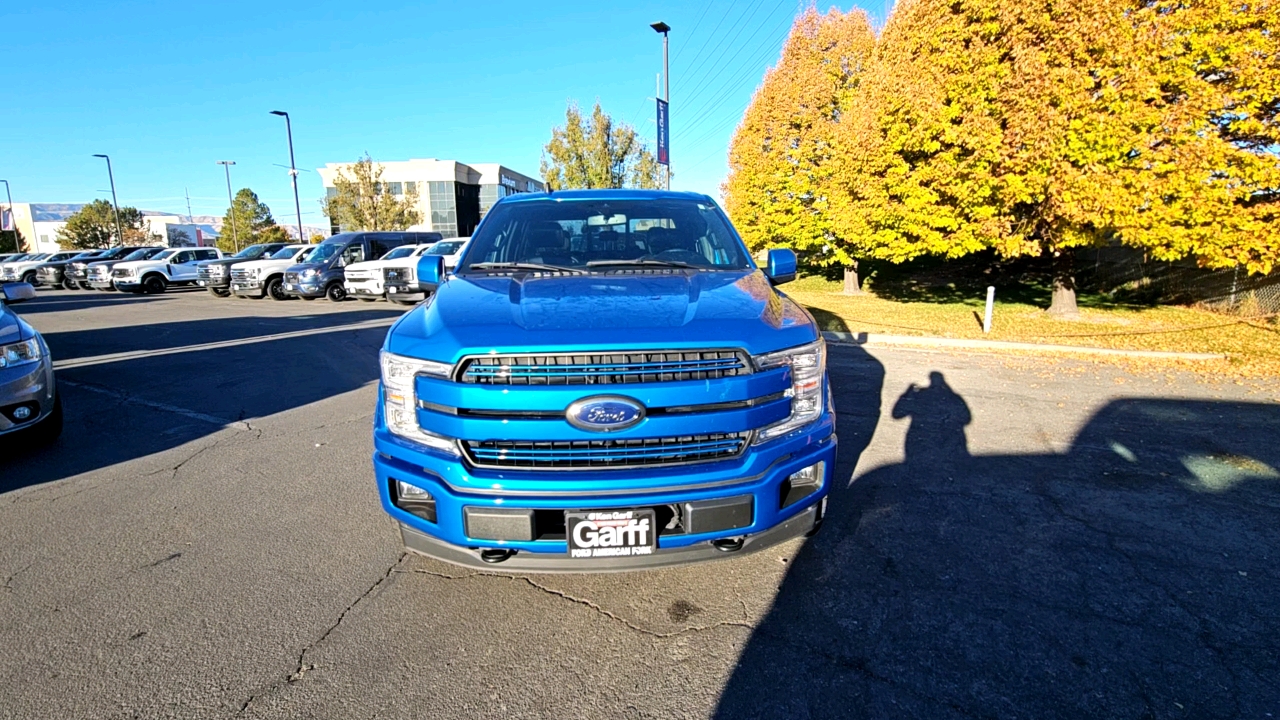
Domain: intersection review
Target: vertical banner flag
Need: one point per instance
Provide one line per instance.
(6, 220)
(664, 134)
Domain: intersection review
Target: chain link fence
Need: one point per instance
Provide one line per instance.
(1125, 272)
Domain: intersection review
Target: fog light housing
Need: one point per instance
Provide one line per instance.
(801, 484)
(413, 500)
(18, 414)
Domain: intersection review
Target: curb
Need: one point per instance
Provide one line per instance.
(872, 340)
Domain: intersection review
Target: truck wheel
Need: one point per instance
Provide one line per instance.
(154, 284)
(308, 299)
(29, 277)
(336, 292)
(70, 285)
(85, 286)
(219, 292)
(275, 289)
(404, 302)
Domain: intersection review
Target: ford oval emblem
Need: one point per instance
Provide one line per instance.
(604, 413)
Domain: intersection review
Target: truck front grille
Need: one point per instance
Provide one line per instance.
(241, 275)
(606, 369)
(606, 453)
(208, 273)
(291, 278)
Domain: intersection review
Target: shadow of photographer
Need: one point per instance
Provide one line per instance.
(1132, 576)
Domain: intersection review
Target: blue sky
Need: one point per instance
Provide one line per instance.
(169, 88)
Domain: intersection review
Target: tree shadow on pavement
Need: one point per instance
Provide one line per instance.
(1132, 576)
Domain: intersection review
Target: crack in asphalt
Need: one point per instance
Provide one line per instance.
(1203, 636)
(694, 629)
(8, 582)
(302, 667)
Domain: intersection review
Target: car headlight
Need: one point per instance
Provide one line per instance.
(309, 274)
(19, 353)
(401, 401)
(808, 364)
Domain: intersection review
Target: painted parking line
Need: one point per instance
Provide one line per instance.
(137, 354)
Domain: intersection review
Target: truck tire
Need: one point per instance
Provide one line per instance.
(29, 277)
(219, 292)
(85, 286)
(70, 284)
(336, 292)
(155, 284)
(275, 289)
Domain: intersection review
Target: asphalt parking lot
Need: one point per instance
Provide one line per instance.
(1011, 537)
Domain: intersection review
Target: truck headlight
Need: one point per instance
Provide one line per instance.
(808, 364)
(19, 353)
(309, 274)
(401, 400)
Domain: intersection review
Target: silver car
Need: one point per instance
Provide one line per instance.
(29, 403)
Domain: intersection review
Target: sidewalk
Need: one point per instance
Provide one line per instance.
(876, 340)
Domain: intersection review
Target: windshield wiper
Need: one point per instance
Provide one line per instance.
(536, 267)
(645, 261)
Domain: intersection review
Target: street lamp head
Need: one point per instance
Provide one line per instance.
(101, 156)
(281, 113)
(226, 162)
(661, 27)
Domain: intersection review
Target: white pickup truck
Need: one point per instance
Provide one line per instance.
(175, 266)
(364, 279)
(263, 278)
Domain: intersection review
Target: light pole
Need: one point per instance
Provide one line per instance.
(13, 218)
(293, 170)
(664, 28)
(231, 203)
(114, 203)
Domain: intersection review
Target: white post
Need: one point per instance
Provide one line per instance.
(991, 301)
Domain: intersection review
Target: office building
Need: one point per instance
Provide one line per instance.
(452, 196)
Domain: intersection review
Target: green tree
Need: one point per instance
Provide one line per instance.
(362, 200)
(597, 153)
(11, 240)
(273, 234)
(94, 226)
(252, 218)
(781, 155)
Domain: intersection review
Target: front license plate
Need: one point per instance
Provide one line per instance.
(611, 533)
(289, 288)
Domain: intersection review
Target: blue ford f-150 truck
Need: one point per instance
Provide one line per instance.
(605, 382)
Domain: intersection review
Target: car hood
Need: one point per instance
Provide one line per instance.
(223, 261)
(307, 266)
(640, 310)
(12, 327)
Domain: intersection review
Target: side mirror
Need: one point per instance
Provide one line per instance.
(782, 266)
(18, 292)
(430, 271)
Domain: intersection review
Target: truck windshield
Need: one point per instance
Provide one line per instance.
(286, 254)
(402, 251)
(445, 248)
(323, 252)
(598, 235)
(252, 252)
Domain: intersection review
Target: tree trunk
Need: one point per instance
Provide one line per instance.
(1063, 304)
(851, 285)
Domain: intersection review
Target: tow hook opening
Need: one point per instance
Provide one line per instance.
(728, 545)
(493, 556)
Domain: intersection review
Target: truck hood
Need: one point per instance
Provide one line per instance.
(262, 264)
(640, 310)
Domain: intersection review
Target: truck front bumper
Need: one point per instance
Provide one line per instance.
(305, 289)
(405, 292)
(759, 478)
(365, 289)
(252, 288)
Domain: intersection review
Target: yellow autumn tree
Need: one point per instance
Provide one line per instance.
(779, 157)
(1203, 176)
(1037, 128)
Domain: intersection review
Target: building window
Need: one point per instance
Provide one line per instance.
(410, 187)
(395, 188)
